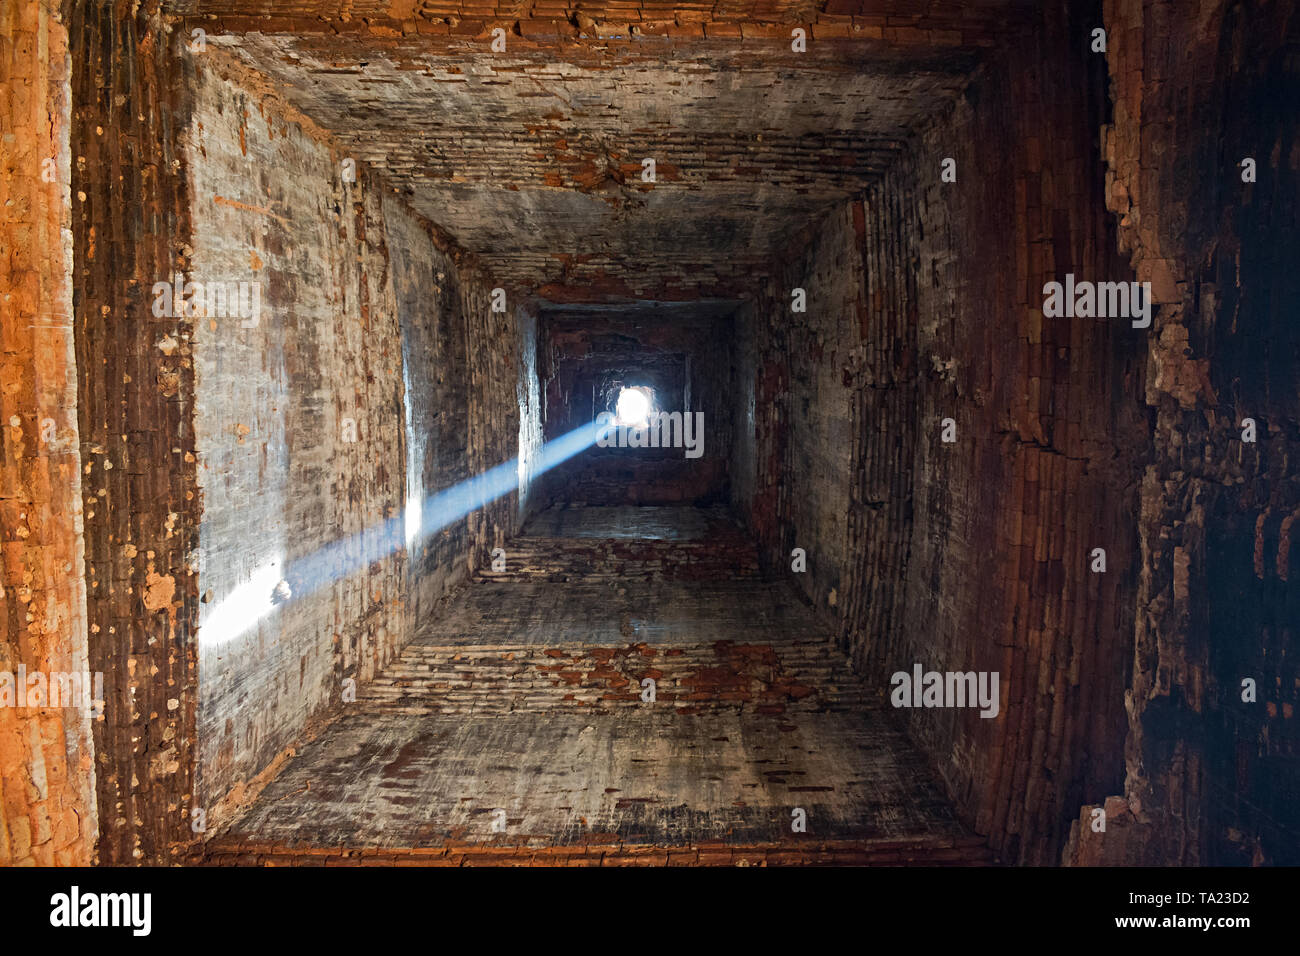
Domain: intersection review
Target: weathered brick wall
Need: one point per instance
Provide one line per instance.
(518, 180)
(827, 411)
(198, 449)
(742, 385)
(826, 353)
(1211, 779)
(1044, 466)
(376, 377)
(299, 440)
(47, 796)
(495, 368)
(759, 383)
(529, 396)
(135, 416)
(220, 449)
(972, 555)
(433, 361)
(471, 403)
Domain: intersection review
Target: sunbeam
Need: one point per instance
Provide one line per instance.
(261, 595)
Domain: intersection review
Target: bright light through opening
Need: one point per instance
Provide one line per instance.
(633, 408)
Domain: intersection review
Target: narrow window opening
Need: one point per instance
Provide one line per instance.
(633, 407)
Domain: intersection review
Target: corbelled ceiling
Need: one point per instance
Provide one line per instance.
(532, 158)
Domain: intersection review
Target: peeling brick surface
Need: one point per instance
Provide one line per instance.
(1211, 780)
(136, 417)
(47, 799)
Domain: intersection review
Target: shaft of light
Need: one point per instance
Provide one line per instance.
(245, 606)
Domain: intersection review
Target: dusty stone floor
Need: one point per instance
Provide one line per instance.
(515, 723)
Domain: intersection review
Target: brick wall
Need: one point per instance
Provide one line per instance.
(197, 454)
(135, 416)
(221, 449)
(826, 354)
(433, 359)
(1197, 88)
(376, 377)
(47, 797)
(497, 370)
(298, 441)
(1044, 468)
(759, 379)
(925, 303)
(529, 397)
